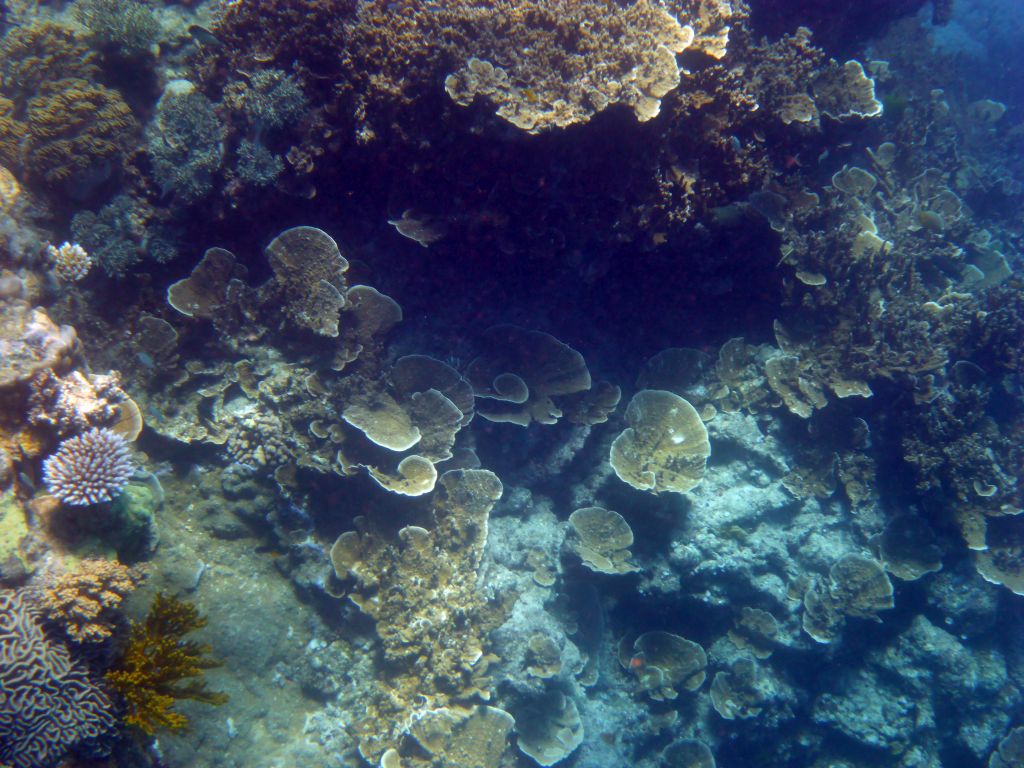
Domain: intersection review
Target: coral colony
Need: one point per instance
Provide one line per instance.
(511, 383)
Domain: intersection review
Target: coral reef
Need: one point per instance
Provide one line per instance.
(160, 667)
(71, 263)
(78, 133)
(422, 595)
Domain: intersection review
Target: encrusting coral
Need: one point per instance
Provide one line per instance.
(160, 667)
(84, 602)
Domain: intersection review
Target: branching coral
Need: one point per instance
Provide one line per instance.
(89, 468)
(160, 667)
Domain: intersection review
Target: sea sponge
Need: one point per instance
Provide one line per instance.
(78, 132)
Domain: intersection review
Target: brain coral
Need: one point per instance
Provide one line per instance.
(49, 704)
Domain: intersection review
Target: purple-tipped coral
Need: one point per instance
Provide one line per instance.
(89, 468)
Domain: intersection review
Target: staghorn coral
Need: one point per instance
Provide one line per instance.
(90, 468)
(78, 133)
(49, 704)
(84, 602)
(161, 667)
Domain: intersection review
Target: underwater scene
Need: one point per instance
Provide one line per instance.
(511, 383)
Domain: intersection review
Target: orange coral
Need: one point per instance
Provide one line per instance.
(160, 667)
(84, 602)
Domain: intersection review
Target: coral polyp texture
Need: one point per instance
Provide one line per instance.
(90, 468)
(49, 703)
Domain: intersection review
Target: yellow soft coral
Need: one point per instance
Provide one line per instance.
(159, 667)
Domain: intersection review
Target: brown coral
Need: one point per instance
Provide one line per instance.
(76, 129)
(421, 592)
(32, 56)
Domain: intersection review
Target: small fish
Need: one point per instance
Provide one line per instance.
(423, 229)
(203, 36)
